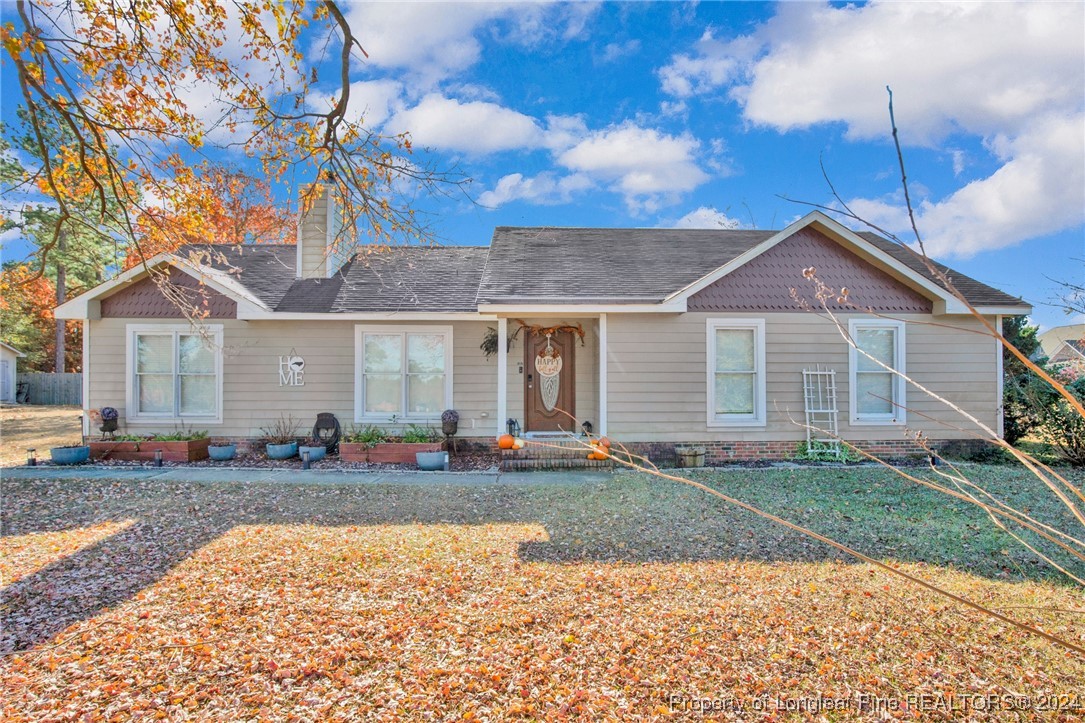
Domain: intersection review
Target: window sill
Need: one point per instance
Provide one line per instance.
(186, 421)
(878, 422)
(400, 419)
(745, 423)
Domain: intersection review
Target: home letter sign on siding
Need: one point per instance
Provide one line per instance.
(291, 370)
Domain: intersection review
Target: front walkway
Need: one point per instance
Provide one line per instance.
(312, 476)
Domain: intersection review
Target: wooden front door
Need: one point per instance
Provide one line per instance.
(549, 400)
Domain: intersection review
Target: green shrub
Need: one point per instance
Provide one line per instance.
(819, 451)
(370, 435)
(417, 434)
(1058, 423)
(1018, 413)
(163, 437)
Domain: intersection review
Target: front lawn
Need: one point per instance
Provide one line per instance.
(231, 602)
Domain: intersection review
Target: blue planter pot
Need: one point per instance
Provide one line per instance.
(282, 451)
(431, 461)
(69, 455)
(315, 453)
(222, 452)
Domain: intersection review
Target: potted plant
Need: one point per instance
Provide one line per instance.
(222, 452)
(180, 446)
(281, 438)
(415, 439)
(356, 446)
(71, 454)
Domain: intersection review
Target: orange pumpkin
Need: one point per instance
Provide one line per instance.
(604, 442)
(506, 441)
(601, 452)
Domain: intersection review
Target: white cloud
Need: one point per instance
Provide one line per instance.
(433, 41)
(707, 217)
(371, 102)
(714, 64)
(543, 189)
(617, 51)
(984, 67)
(472, 127)
(1010, 74)
(1039, 191)
(648, 167)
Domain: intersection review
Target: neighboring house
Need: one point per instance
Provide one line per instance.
(1070, 353)
(688, 336)
(1052, 339)
(9, 356)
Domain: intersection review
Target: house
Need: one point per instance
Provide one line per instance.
(1070, 353)
(1052, 339)
(657, 337)
(9, 357)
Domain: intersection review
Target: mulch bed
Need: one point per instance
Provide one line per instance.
(256, 460)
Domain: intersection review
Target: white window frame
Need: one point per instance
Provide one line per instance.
(898, 415)
(132, 413)
(757, 419)
(359, 376)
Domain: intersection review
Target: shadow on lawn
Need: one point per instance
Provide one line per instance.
(615, 521)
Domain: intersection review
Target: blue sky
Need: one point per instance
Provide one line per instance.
(710, 114)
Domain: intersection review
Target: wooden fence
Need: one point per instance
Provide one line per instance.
(53, 388)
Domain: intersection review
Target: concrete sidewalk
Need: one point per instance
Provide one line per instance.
(296, 476)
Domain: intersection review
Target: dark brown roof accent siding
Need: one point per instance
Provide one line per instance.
(764, 283)
(144, 300)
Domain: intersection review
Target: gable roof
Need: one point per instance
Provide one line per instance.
(12, 349)
(553, 265)
(585, 268)
(1069, 350)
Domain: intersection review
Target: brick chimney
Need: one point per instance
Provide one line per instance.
(320, 253)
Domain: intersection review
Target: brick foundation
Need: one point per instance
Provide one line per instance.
(662, 453)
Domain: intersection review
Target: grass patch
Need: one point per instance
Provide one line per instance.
(600, 601)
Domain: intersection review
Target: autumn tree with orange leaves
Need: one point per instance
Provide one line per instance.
(232, 208)
(148, 88)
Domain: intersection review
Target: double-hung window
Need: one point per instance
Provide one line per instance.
(736, 372)
(402, 373)
(174, 373)
(876, 364)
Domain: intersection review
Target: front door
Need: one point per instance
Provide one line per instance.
(549, 404)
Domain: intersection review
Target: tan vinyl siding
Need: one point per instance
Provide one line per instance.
(657, 376)
(252, 397)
